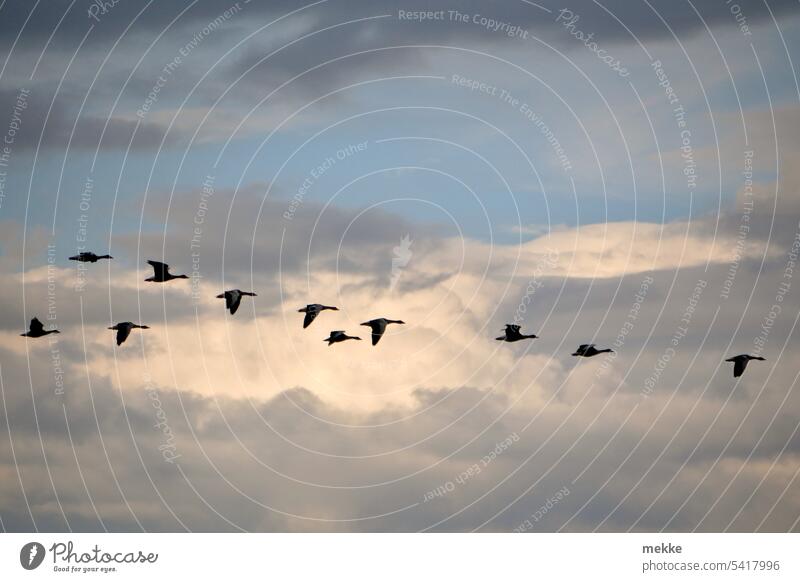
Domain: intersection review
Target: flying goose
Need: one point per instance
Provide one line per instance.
(36, 329)
(88, 257)
(339, 336)
(740, 363)
(588, 350)
(379, 326)
(312, 311)
(233, 298)
(512, 334)
(124, 330)
(161, 273)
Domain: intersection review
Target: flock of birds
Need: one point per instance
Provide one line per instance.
(233, 298)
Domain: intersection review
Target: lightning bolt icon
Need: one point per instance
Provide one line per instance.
(34, 551)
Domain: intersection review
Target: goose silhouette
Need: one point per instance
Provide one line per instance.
(588, 350)
(36, 329)
(161, 273)
(124, 328)
(339, 336)
(512, 334)
(233, 298)
(312, 311)
(740, 363)
(379, 327)
(89, 257)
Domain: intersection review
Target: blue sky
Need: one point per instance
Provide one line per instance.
(581, 93)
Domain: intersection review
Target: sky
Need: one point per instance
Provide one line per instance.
(618, 173)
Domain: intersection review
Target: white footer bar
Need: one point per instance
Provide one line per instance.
(406, 557)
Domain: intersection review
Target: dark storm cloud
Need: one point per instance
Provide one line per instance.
(55, 125)
(372, 36)
(317, 79)
(258, 225)
(310, 52)
(643, 21)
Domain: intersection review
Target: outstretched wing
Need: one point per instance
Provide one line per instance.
(512, 327)
(739, 366)
(378, 327)
(161, 269)
(36, 325)
(228, 296)
(123, 332)
(233, 300)
(311, 315)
